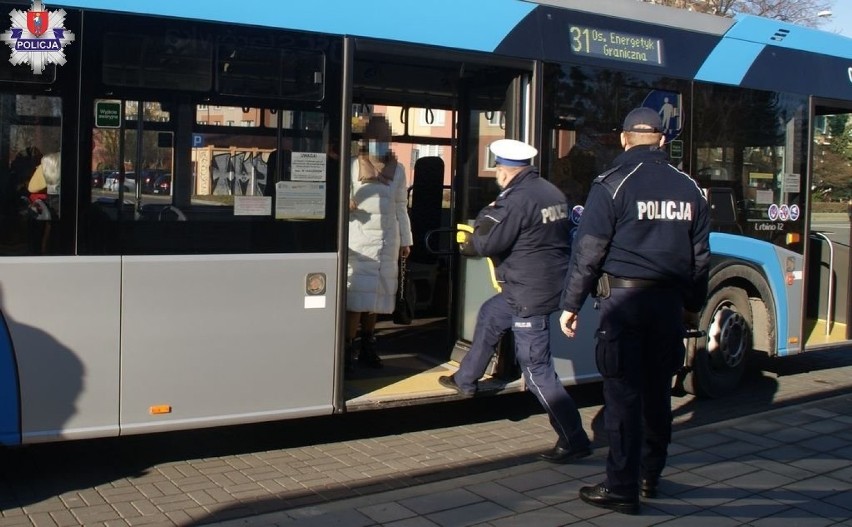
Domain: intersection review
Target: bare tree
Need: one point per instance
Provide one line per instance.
(804, 12)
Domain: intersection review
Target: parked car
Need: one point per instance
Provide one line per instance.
(111, 182)
(109, 179)
(149, 177)
(98, 179)
(163, 185)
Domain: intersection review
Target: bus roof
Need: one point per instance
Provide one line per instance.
(744, 51)
(475, 25)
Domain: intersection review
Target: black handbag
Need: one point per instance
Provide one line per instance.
(403, 311)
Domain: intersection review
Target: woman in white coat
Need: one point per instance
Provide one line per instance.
(379, 235)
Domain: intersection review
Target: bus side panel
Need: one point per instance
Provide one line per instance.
(773, 260)
(63, 319)
(574, 358)
(10, 419)
(214, 340)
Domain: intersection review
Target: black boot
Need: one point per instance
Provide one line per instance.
(368, 356)
(348, 360)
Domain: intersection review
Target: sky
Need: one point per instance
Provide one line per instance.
(841, 18)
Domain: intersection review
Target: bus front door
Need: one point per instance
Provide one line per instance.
(828, 298)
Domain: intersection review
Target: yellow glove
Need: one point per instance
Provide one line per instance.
(464, 237)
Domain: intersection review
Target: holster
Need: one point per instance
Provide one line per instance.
(602, 290)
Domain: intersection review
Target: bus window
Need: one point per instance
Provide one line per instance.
(125, 164)
(30, 186)
(269, 72)
(220, 181)
(177, 59)
(751, 142)
(418, 132)
(232, 160)
(585, 121)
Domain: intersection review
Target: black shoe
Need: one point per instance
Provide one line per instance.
(648, 487)
(447, 381)
(561, 455)
(368, 356)
(600, 496)
(371, 360)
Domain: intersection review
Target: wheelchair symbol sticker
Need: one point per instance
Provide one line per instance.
(576, 213)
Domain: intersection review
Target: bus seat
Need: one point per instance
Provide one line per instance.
(723, 211)
(425, 197)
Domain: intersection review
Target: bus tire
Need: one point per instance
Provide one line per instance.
(717, 362)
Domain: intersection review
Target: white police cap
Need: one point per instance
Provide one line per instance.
(512, 153)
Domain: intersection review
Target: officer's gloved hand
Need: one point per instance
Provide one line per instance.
(465, 241)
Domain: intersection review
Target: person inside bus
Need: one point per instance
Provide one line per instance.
(643, 243)
(526, 232)
(379, 235)
(43, 189)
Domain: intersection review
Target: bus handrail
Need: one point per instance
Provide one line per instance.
(830, 308)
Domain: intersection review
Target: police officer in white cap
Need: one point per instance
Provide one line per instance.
(525, 232)
(644, 238)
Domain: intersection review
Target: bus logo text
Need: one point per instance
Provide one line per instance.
(37, 37)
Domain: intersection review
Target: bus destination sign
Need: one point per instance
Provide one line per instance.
(614, 45)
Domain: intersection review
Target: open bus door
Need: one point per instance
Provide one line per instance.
(828, 296)
(494, 108)
(487, 121)
(444, 110)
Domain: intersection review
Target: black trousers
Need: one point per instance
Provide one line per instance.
(532, 350)
(640, 344)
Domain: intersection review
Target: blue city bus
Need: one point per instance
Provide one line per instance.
(175, 192)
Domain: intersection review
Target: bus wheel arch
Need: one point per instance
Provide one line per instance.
(737, 322)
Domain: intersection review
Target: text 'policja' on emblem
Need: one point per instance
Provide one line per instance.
(37, 37)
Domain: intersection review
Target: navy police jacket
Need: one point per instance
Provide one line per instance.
(643, 219)
(525, 232)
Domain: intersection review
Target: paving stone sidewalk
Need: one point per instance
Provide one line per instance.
(788, 466)
(457, 464)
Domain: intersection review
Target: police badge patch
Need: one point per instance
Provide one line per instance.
(37, 37)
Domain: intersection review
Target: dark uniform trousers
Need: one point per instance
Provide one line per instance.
(532, 351)
(640, 345)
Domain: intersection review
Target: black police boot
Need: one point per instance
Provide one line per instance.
(561, 455)
(368, 356)
(600, 496)
(648, 486)
(448, 381)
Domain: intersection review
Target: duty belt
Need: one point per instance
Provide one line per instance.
(636, 283)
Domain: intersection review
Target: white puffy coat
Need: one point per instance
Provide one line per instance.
(378, 227)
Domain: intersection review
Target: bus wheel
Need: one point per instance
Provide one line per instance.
(717, 362)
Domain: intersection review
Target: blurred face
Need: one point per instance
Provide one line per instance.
(377, 135)
(378, 148)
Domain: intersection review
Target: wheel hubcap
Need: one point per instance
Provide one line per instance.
(727, 338)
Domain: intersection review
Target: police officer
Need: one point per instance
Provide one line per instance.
(525, 232)
(644, 234)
